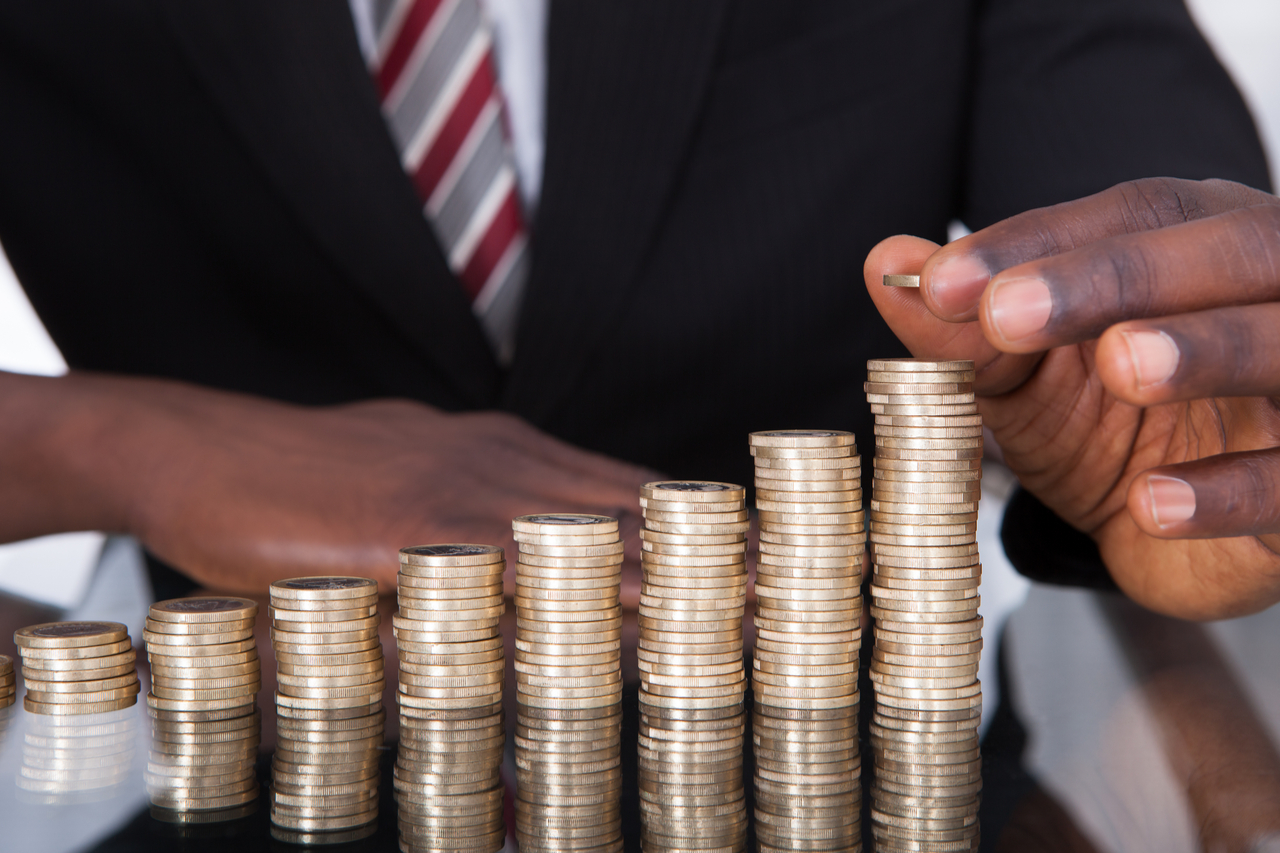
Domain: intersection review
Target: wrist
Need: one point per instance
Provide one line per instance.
(61, 457)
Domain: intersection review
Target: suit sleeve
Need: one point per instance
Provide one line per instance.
(1074, 96)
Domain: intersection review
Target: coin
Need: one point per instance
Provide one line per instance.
(69, 635)
(203, 609)
(327, 588)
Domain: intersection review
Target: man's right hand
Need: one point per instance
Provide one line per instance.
(238, 491)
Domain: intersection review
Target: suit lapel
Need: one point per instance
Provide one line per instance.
(289, 76)
(624, 85)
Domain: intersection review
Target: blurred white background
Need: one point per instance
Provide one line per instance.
(57, 569)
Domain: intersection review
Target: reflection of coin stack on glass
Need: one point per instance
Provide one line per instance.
(808, 606)
(329, 715)
(8, 693)
(205, 723)
(568, 683)
(691, 675)
(80, 681)
(8, 683)
(448, 772)
(928, 635)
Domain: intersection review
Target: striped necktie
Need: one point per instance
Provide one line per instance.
(434, 73)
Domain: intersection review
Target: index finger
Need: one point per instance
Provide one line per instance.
(954, 279)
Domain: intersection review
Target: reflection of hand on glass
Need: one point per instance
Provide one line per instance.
(1213, 739)
(238, 491)
(1128, 354)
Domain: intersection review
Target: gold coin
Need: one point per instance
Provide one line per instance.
(649, 643)
(324, 616)
(451, 554)
(69, 635)
(854, 528)
(37, 707)
(529, 544)
(883, 519)
(696, 507)
(172, 642)
(33, 674)
(582, 523)
(801, 438)
(913, 597)
(913, 388)
(427, 598)
(765, 464)
(805, 453)
(530, 580)
(203, 609)
(564, 550)
(322, 606)
(914, 366)
(327, 588)
(692, 490)
(309, 640)
(71, 668)
(198, 653)
(165, 671)
(789, 478)
(324, 658)
(87, 686)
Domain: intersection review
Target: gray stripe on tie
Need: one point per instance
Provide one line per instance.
(477, 176)
(382, 9)
(430, 77)
(503, 312)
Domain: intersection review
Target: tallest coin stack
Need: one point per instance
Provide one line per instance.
(928, 635)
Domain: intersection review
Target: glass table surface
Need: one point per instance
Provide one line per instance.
(1115, 730)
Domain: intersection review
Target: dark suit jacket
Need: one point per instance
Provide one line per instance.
(205, 190)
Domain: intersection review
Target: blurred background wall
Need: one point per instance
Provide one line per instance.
(1243, 32)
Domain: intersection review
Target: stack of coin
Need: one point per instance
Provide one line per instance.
(808, 638)
(78, 758)
(77, 667)
(329, 716)
(928, 635)
(692, 681)
(448, 772)
(8, 682)
(205, 724)
(568, 683)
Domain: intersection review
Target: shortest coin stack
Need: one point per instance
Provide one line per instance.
(328, 703)
(205, 724)
(452, 665)
(8, 682)
(77, 667)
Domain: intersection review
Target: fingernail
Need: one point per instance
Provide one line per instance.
(957, 283)
(1020, 308)
(1173, 501)
(1154, 355)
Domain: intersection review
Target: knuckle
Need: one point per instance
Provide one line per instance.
(1252, 245)
(1158, 202)
(1128, 279)
(1255, 496)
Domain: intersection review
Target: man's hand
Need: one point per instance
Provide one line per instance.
(238, 491)
(1128, 355)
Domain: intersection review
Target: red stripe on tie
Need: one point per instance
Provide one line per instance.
(411, 29)
(455, 129)
(489, 251)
